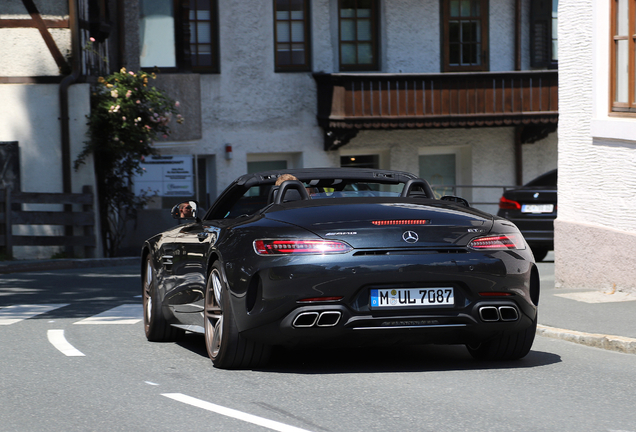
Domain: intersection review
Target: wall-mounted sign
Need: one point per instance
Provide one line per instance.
(168, 176)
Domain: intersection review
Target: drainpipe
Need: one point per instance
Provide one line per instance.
(64, 118)
(518, 35)
(64, 86)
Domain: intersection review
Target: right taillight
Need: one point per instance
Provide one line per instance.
(498, 242)
(506, 204)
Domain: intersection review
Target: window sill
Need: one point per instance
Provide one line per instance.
(616, 127)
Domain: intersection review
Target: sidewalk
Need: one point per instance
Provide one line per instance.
(597, 319)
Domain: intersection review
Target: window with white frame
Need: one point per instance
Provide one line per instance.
(623, 57)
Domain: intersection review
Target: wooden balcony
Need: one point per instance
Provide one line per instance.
(348, 103)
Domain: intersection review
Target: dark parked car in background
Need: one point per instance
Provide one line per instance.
(533, 208)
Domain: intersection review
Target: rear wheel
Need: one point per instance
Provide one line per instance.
(507, 347)
(155, 325)
(226, 347)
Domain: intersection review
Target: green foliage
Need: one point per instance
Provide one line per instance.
(127, 116)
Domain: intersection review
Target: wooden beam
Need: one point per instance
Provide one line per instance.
(30, 23)
(48, 39)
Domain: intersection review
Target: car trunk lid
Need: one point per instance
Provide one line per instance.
(397, 224)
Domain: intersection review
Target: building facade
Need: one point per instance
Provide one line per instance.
(461, 92)
(595, 232)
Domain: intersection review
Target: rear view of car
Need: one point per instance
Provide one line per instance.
(533, 209)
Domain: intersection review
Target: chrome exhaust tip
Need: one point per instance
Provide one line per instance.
(305, 319)
(508, 313)
(329, 319)
(489, 314)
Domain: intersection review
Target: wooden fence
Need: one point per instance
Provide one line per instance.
(79, 224)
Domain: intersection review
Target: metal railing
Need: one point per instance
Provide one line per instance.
(482, 197)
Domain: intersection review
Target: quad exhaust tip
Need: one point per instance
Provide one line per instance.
(322, 319)
(498, 313)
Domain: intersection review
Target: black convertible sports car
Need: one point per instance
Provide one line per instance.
(339, 257)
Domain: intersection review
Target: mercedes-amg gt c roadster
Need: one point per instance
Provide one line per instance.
(338, 256)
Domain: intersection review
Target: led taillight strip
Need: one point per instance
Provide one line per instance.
(401, 222)
(498, 242)
(286, 247)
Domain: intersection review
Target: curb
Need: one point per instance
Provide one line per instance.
(608, 342)
(64, 264)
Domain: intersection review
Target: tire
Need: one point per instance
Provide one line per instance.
(507, 347)
(226, 347)
(539, 253)
(155, 325)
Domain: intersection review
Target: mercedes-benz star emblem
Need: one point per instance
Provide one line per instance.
(410, 237)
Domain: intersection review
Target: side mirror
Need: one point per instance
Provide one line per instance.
(185, 210)
(456, 200)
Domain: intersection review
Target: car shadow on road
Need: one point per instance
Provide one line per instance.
(420, 358)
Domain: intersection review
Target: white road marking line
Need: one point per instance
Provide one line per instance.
(229, 412)
(57, 339)
(124, 314)
(13, 314)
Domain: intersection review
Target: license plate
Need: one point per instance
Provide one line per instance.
(537, 208)
(403, 297)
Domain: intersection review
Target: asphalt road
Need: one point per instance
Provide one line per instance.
(83, 364)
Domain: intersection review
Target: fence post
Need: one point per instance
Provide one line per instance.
(89, 230)
(8, 241)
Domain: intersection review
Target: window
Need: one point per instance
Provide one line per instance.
(465, 26)
(439, 171)
(291, 19)
(271, 165)
(543, 40)
(357, 30)
(360, 161)
(177, 35)
(157, 34)
(623, 28)
(203, 36)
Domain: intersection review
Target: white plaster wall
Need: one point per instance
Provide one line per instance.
(593, 170)
(29, 114)
(487, 158)
(25, 46)
(29, 54)
(502, 35)
(410, 36)
(597, 159)
(540, 157)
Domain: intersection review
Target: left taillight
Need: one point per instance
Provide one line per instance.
(498, 242)
(507, 204)
(287, 247)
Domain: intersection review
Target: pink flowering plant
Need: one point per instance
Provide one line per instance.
(127, 116)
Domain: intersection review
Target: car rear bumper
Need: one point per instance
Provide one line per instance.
(471, 326)
(281, 314)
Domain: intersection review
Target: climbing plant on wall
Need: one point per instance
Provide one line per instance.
(127, 116)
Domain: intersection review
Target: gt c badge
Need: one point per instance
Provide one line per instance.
(410, 237)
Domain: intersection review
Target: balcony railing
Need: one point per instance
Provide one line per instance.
(348, 103)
